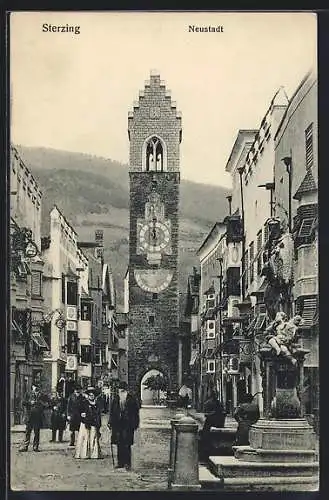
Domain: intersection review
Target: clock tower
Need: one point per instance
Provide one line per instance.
(155, 133)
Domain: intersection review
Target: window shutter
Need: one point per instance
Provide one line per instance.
(36, 283)
(309, 146)
(306, 227)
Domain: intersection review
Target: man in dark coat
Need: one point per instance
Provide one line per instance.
(246, 414)
(58, 417)
(35, 403)
(124, 421)
(215, 417)
(74, 412)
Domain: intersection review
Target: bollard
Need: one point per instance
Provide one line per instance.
(186, 461)
(173, 421)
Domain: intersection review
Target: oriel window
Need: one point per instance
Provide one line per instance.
(86, 311)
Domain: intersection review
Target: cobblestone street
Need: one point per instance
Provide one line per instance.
(56, 469)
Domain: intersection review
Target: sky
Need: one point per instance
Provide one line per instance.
(73, 91)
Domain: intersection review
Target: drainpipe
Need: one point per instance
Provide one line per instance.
(241, 171)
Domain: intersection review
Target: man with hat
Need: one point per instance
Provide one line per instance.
(35, 403)
(124, 421)
(73, 411)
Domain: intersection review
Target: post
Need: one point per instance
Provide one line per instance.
(180, 362)
(220, 328)
(186, 460)
(235, 393)
(173, 421)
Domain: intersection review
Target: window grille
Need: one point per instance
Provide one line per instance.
(85, 354)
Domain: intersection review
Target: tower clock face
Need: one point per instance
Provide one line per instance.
(154, 236)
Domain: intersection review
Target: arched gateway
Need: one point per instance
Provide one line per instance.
(152, 394)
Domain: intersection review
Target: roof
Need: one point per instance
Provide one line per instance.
(70, 273)
(240, 139)
(307, 186)
(215, 229)
(309, 76)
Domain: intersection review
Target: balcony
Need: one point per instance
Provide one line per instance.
(122, 344)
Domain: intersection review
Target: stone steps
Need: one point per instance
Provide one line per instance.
(231, 467)
(210, 481)
(249, 454)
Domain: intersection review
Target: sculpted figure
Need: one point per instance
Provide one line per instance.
(282, 333)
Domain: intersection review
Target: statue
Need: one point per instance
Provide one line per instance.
(282, 333)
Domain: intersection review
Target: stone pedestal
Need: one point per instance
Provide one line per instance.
(186, 463)
(173, 437)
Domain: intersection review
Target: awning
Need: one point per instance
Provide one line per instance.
(261, 289)
(17, 329)
(39, 340)
(194, 357)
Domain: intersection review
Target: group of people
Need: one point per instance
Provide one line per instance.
(83, 411)
(246, 414)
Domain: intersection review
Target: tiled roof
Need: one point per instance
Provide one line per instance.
(308, 185)
(210, 290)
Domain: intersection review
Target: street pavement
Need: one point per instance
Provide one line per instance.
(55, 467)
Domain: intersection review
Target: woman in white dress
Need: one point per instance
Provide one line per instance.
(88, 438)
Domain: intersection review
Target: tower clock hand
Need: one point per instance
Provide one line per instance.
(154, 231)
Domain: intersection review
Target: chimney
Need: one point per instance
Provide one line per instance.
(229, 199)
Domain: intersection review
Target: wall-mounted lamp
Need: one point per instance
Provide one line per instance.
(269, 186)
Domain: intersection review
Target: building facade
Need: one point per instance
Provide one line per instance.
(251, 165)
(154, 129)
(296, 191)
(65, 282)
(27, 344)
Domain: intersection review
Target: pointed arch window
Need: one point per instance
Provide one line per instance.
(154, 155)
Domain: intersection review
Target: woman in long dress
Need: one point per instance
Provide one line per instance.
(89, 432)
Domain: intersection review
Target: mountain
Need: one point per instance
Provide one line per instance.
(93, 193)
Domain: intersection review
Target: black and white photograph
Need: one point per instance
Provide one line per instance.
(163, 325)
